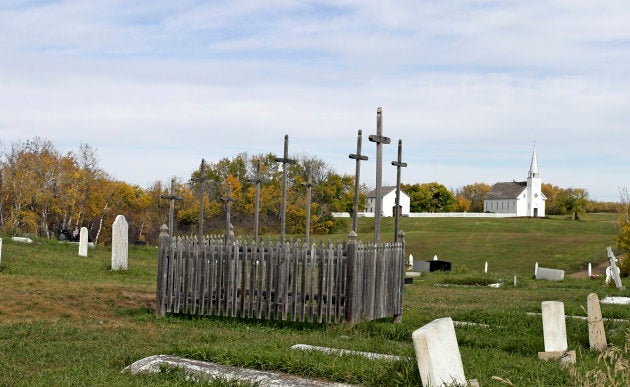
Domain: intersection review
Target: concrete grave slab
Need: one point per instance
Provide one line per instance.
(207, 370)
(337, 351)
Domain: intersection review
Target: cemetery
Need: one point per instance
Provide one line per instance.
(302, 310)
(93, 322)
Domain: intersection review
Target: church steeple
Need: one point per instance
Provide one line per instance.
(533, 167)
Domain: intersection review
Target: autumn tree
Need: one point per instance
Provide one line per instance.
(471, 197)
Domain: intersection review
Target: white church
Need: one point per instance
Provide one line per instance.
(521, 198)
(388, 202)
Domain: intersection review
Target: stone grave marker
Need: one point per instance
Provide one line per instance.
(555, 333)
(437, 354)
(120, 243)
(0, 251)
(549, 274)
(596, 332)
(83, 242)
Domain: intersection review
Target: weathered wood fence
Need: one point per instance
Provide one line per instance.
(324, 282)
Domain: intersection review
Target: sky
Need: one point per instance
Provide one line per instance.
(470, 87)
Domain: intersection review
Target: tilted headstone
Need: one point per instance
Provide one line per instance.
(549, 274)
(555, 333)
(596, 332)
(83, 242)
(120, 243)
(437, 353)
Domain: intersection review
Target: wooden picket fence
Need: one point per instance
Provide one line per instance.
(326, 282)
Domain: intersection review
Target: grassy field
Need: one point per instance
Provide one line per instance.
(69, 320)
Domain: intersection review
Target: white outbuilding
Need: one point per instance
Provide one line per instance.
(388, 204)
(521, 198)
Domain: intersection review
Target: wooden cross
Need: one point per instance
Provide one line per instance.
(308, 186)
(201, 180)
(171, 213)
(227, 199)
(256, 181)
(358, 157)
(379, 139)
(398, 164)
(283, 209)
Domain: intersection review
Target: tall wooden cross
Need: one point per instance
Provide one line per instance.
(257, 180)
(358, 157)
(308, 186)
(379, 139)
(398, 164)
(227, 199)
(171, 212)
(201, 180)
(283, 209)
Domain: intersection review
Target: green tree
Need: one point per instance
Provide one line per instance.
(429, 197)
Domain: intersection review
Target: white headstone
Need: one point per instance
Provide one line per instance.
(590, 270)
(596, 332)
(0, 251)
(83, 242)
(536, 269)
(120, 243)
(437, 353)
(435, 258)
(554, 326)
(549, 274)
(485, 268)
(410, 260)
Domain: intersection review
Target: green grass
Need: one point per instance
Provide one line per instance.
(69, 320)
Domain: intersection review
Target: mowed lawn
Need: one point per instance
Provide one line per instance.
(69, 320)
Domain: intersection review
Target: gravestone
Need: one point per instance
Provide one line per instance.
(430, 266)
(596, 332)
(555, 333)
(120, 243)
(0, 251)
(83, 242)
(22, 239)
(549, 274)
(437, 354)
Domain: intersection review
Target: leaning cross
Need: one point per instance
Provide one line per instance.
(398, 164)
(614, 270)
(171, 213)
(379, 139)
(283, 209)
(358, 157)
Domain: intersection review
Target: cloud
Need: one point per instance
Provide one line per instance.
(468, 86)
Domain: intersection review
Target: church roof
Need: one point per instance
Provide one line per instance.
(384, 191)
(508, 190)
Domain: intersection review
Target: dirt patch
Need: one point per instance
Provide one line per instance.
(598, 269)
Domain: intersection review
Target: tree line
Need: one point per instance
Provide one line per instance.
(44, 192)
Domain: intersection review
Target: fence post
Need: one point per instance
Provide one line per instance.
(400, 264)
(163, 252)
(350, 276)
